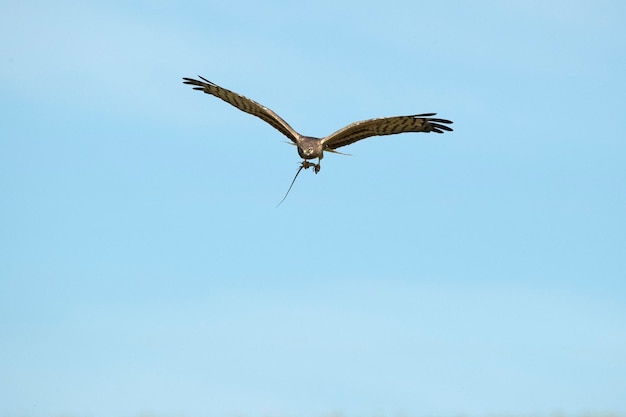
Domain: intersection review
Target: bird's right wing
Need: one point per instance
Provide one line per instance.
(245, 104)
(385, 126)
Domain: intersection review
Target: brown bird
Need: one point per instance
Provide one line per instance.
(311, 147)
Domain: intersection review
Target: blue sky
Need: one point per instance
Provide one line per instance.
(144, 267)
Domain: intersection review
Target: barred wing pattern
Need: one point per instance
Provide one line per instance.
(245, 104)
(385, 126)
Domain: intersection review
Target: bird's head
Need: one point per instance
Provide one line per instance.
(307, 152)
(309, 148)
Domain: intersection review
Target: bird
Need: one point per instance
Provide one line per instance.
(310, 147)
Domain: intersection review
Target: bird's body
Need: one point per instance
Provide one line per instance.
(311, 147)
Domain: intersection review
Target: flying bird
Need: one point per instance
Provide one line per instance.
(312, 147)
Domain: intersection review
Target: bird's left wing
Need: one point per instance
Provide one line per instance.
(385, 126)
(245, 104)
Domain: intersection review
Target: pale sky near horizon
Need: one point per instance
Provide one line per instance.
(144, 267)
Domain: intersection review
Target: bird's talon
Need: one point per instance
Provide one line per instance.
(307, 164)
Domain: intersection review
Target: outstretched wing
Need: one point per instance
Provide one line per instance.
(245, 104)
(385, 126)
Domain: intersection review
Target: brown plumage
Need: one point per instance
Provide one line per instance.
(312, 147)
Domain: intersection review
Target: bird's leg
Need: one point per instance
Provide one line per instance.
(306, 165)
